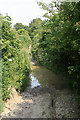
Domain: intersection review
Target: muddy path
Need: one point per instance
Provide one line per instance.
(41, 103)
(46, 97)
(29, 104)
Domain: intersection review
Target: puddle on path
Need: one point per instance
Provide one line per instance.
(44, 77)
(34, 81)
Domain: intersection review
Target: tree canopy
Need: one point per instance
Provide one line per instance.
(18, 26)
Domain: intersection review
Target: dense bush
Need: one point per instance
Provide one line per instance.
(15, 58)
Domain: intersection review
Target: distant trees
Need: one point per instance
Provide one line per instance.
(34, 27)
(18, 26)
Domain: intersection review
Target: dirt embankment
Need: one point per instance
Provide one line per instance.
(42, 102)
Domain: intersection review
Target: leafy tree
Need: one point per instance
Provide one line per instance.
(34, 27)
(18, 26)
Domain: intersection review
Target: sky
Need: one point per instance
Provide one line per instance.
(21, 11)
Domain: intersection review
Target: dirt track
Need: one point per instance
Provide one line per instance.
(41, 102)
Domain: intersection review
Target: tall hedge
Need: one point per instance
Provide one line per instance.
(15, 59)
